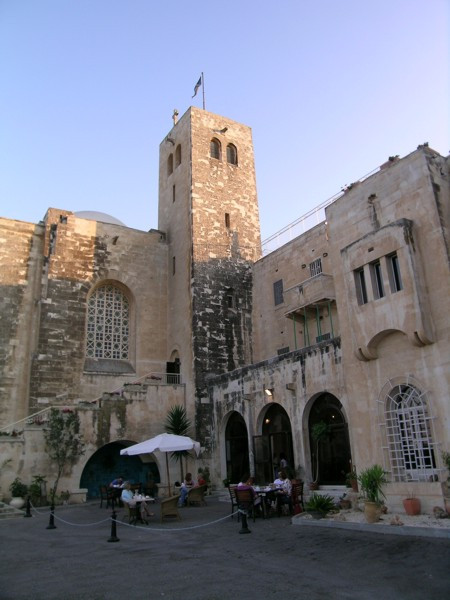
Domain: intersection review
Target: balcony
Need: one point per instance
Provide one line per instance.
(312, 293)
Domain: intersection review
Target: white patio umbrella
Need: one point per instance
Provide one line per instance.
(164, 442)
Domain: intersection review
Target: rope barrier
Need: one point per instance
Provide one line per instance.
(140, 527)
(42, 514)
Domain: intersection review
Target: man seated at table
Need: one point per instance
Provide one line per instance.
(248, 483)
(187, 485)
(128, 498)
(284, 492)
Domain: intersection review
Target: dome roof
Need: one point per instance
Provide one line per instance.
(93, 215)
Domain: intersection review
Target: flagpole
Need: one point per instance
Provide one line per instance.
(203, 90)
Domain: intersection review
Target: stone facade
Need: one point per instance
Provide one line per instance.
(348, 321)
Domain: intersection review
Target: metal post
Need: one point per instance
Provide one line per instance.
(113, 537)
(244, 528)
(51, 523)
(28, 512)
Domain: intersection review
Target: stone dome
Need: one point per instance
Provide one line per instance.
(93, 215)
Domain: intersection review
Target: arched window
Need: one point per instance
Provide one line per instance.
(231, 154)
(178, 156)
(108, 319)
(170, 164)
(215, 149)
(408, 432)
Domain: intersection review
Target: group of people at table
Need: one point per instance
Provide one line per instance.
(124, 492)
(280, 493)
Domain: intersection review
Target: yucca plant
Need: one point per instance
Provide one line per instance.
(371, 481)
(178, 423)
(321, 503)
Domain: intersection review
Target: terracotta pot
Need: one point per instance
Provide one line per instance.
(372, 512)
(411, 506)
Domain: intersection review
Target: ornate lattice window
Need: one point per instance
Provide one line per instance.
(407, 424)
(108, 321)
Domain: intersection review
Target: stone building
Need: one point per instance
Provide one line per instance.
(346, 324)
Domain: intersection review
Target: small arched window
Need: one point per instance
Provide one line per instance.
(232, 154)
(215, 148)
(170, 165)
(178, 156)
(108, 319)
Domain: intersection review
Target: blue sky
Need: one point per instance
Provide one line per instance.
(330, 89)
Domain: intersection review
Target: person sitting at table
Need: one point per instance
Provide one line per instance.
(128, 498)
(201, 480)
(284, 492)
(187, 485)
(117, 483)
(248, 483)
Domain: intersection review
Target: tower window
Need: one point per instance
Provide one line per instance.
(107, 330)
(214, 149)
(360, 284)
(229, 298)
(173, 193)
(278, 292)
(173, 265)
(395, 279)
(170, 165)
(231, 154)
(377, 279)
(227, 220)
(178, 156)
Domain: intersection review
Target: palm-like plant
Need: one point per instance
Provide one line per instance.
(178, 423)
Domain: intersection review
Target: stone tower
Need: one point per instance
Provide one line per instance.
(208, 209)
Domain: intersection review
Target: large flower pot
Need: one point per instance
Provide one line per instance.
(412, 506)
(17, 502)
(372, 512)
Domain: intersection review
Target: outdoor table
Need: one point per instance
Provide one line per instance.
(138, 498)
(267, 493)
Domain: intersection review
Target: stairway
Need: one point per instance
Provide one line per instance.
(9, 512)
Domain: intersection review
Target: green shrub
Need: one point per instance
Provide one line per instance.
(320, 503)
(18, 489)
(371, 481)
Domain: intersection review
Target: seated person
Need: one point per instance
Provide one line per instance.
(284, 492)
(201, 480)
(128, 498)
(117, 483)
(248, 483)
(187, 484)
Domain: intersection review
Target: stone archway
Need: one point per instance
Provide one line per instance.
(334, 450)
(274, 443)
(106, 464)
(236, 447)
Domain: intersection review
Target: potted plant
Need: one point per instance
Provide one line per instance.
(319, 505)
(411, 505)
(37, 490)
(319, 432)
(371, 481)
(351, 479)
(18, 491)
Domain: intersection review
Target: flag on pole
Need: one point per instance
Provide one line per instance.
(197, 85)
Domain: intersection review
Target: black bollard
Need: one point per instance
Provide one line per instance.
(28, 513)
(113, 537)
(51, 523)
(244, 528)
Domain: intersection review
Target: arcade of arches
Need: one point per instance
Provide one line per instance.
(275, 443)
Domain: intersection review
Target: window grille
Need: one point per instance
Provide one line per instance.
(315, 268)
(278, 292)
(214, 149)
(408, 435)
(107, 324)
(231, 154)
(323, 337)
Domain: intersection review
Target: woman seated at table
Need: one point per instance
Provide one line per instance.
(128, 498)
(247, 483)
(284, 492)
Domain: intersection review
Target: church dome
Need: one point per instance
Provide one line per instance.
(93, 215)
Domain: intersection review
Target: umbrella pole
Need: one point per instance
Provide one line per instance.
(168, 476)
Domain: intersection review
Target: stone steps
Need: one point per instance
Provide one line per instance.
(9, 512)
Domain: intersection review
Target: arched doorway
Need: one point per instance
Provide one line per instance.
(334, 449)
(236, 445)
(274, 443)
(106, 464)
